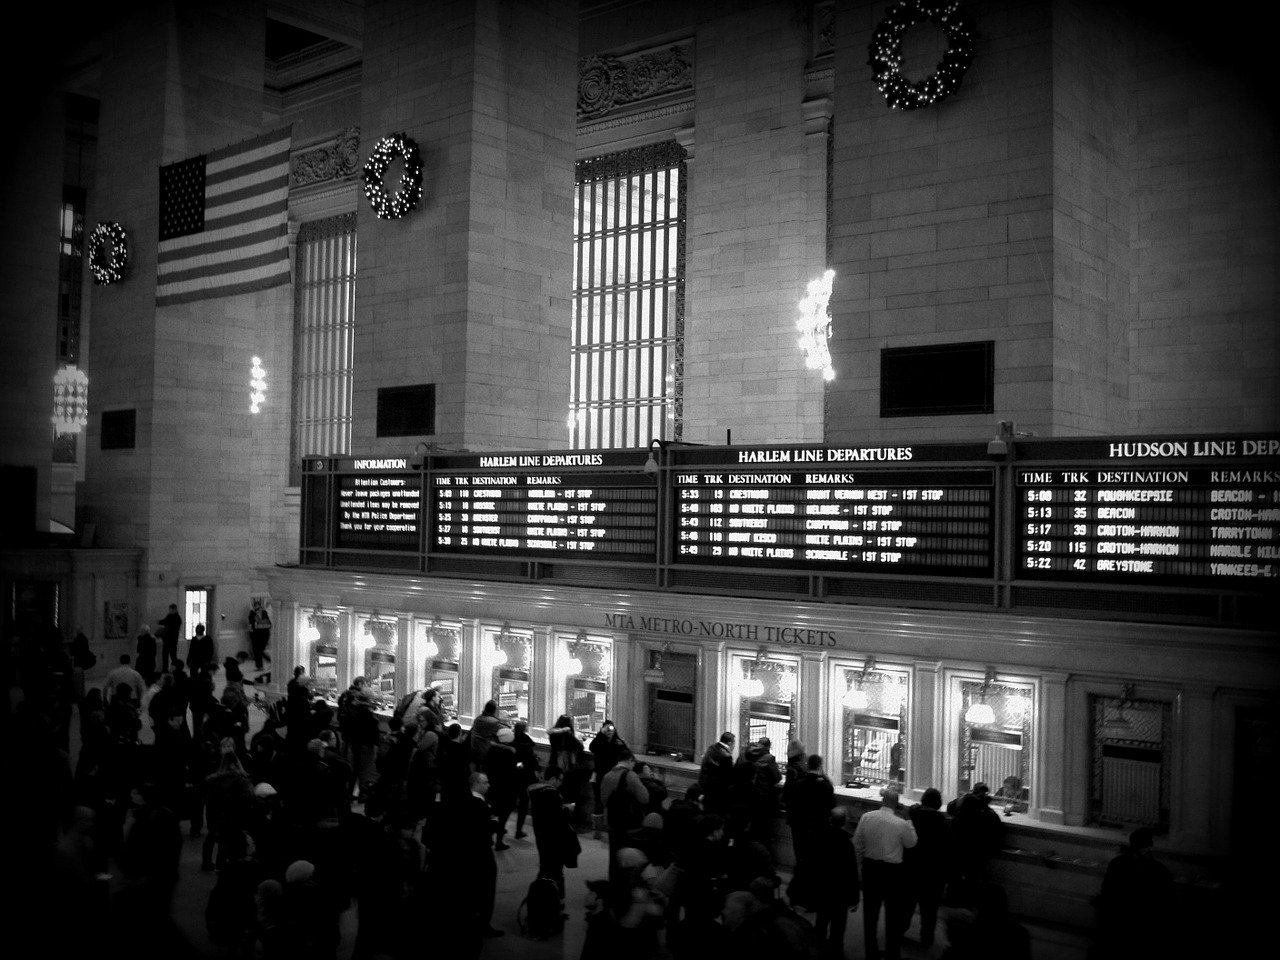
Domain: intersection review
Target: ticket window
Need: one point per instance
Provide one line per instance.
(671, 694)
(510, 657)
(583, 664)
(324, 671)
(376, 660)
(439, 649)
(766, 698)
(1131, 773)
(995, 739)
(873, 740)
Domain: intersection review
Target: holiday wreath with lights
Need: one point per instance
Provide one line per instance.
(393, 205)
(108, 267)
(886, 53)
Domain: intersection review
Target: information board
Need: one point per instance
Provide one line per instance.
(379, 506)
(539, 504)
(859, 510)
(1166, 510)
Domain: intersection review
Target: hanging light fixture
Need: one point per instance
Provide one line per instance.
(751, 686)
(980, 713)
(499, 654)
(311, 632)
(573, 662)
(431, 648)
(855, 698)
(70, 400)
(1121, 721)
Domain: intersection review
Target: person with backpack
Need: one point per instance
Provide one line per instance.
(623, 797)
(553, 834)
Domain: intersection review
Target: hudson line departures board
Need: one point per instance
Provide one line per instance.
(1189, 511)
(859, 509)
(569, 505)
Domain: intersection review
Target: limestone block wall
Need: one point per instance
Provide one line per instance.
(28, 292)
(1204, 341)
(942, 222)
(470, 291)
(752, 244)
(200, 487)
(1092, 257)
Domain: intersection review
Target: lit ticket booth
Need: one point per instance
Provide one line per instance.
(318, 633)
(995, 737)
(873, 725)
(766, 698)
(510, 660)
(377, 660)
(439, 646)
(583, 667)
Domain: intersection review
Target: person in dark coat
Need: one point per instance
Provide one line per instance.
(812, 798)
(975, 838)
(527, 770)
(926, 862)
(297, 710)
(146, 650)
(606, 747)
(833, 867)
(756, 789)
(200, 650)
(1135, 904)
(565, 745)
(170, 630)
(553, 833)
(716, 775)
(469, 850)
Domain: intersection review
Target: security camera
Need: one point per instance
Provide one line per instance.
(997, 448)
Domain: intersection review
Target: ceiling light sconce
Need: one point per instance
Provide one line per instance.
(257, 385)
(431, 648)
(651, 465)
(980, 713)
(855, 698)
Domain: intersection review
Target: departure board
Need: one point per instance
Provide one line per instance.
(546, 505)
(821, 508)
(379, 506)
(1187, 511)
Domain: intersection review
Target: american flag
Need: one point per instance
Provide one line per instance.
(224, 221)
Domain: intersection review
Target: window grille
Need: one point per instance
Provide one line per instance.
(1130, 769)
(323, 340)
(627, 350)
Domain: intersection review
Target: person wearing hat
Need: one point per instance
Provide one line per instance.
(500, 764)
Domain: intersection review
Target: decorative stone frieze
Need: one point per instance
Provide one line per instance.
(338, 159)
(607, 83)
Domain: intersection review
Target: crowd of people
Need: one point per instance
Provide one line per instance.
(328, 805)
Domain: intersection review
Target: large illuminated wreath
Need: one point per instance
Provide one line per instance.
(886, 53)
(108, 267)
(392, 206)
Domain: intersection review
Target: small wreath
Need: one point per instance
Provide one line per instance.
(108, 267)
(886, 53)
(392, 206)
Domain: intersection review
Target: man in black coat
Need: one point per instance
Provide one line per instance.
(556, 840)
(810, 803)
(926, 862)
(716, 776)
(833, 867)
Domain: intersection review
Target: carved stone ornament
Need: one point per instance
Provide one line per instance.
(606, 83)
(335, 160)
(382, 631)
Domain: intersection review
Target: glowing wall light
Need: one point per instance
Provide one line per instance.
(815, 325)
(70, 400)
(257, 385)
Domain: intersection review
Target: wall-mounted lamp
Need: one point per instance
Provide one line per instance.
(980, 713)
(651, 465)
(751, 685)
(499, 654)
(655, 673)
(573, 662)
